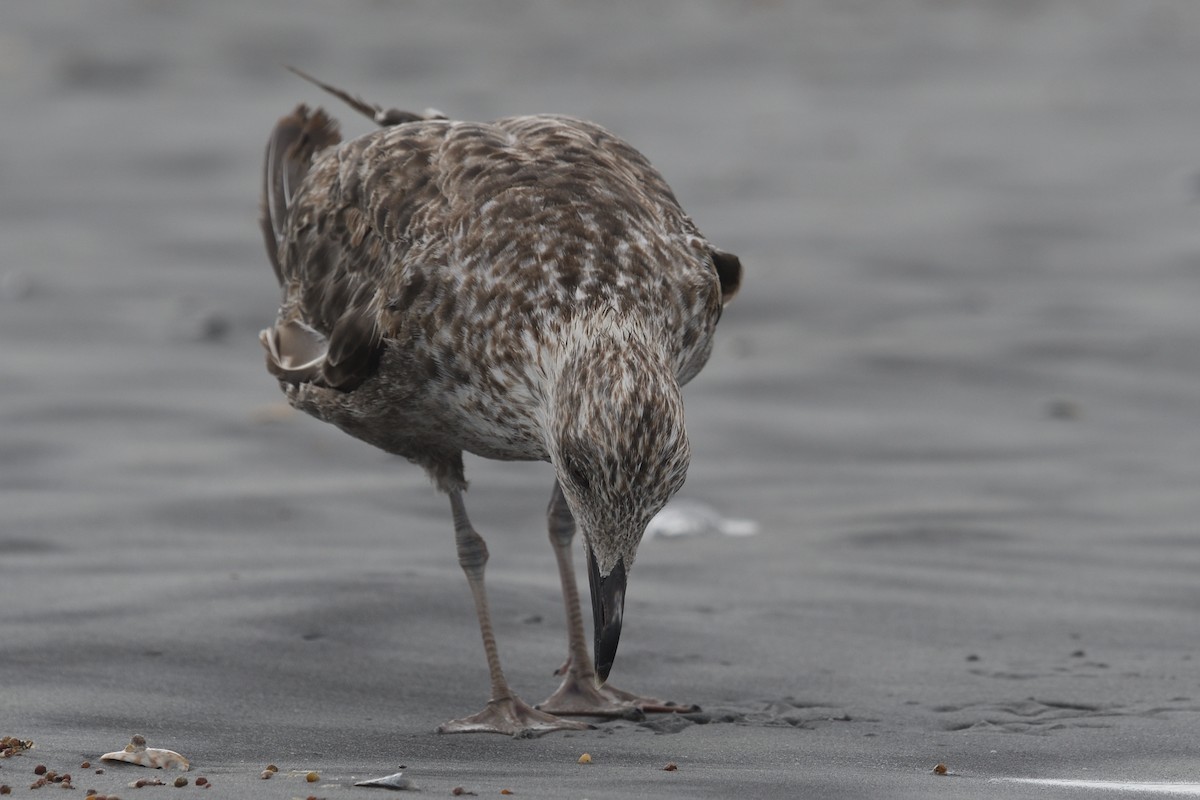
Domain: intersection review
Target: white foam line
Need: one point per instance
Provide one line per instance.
(1187, 789)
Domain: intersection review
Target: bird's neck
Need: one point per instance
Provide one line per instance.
(606, 366)
(616, 433)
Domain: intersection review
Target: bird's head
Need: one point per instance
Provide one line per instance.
(620, 451)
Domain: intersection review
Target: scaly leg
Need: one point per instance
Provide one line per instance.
(505, 712)
(578, 695)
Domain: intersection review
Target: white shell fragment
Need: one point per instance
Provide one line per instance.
(136, 752)
(683, 518)
(395, 781)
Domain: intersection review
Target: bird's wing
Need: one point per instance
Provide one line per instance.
(339, 243)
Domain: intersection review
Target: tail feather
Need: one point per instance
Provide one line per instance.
(297, 138)
(381, 116)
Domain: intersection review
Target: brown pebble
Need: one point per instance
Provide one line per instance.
(86, 765)
(140, 783)
(180, 782)
(202, 781)
(40, 769)
(313, 777)
(100, 771)
(670, 767)
(940, 769)
(272, 768)
(506, 791)
(5, 789)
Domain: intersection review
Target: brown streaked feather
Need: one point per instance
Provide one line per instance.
(437, 267)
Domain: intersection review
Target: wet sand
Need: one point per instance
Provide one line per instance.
(958, 393)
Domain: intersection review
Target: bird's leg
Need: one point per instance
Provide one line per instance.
(505, 712)
(579, 693)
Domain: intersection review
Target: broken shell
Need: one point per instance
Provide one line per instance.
(394, 781)
(136, 752)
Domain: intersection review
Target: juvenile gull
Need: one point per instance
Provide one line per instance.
(525, 289)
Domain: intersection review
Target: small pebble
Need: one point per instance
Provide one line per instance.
(202, 781)
(100, 771)
(670, 767)
(313, 777)
(180, 782)
(506, 791)
(266, 774)
(272, 768)
(940, 769)
(586, 758)
(86, 765)
(5, 789)
(40, 769)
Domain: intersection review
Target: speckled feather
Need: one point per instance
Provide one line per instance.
(523, 289)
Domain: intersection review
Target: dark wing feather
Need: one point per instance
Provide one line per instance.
(729, 271)
(297, 138)
(348, 229)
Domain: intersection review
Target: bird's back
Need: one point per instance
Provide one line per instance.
(444, 265)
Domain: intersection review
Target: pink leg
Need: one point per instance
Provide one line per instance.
(505, 713)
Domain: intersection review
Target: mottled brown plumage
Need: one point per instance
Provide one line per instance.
(523, 289)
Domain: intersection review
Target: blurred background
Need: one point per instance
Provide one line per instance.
(959, 218)
(967, 342)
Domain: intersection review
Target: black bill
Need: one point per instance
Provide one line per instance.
(608, 606)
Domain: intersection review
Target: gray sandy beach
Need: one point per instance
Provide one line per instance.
(959, 395)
